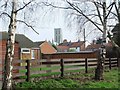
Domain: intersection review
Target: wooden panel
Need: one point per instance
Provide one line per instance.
(75, 68)
(18, 75)
(19, 67)
(57, 70)
(37, 72)
(74, 64)
(92, 64)
(83, 54)
(80, 59)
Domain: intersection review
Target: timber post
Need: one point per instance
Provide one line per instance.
(62, 67)
(28, 70)
(86, 65)
(110, 63)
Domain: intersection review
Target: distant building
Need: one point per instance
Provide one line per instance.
(71, 46)
(24, 47)
(58, 35)
(46, 47)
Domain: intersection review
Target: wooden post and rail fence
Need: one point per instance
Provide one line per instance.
(58, 63)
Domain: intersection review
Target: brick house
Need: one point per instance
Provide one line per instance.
(46, 47)
(93, 47)
(3, 41)
(24, 47)
(109, 49)
(71, 46)
(28, 49)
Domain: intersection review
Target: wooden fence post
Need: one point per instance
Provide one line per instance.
(62, 67)
(86, 65)
(118, 62)
(28, 70)
(110, 63)
(48, 64)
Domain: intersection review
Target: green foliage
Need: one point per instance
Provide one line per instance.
(99, 41)
(25, 85)
(69, 83)
(116, 38)
(50, 83)
(116, 34)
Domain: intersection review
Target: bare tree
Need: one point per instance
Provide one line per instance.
(7, 80)
(102, 13)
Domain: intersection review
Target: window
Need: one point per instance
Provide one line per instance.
(32, 54)
(25, 50)
(78, 49)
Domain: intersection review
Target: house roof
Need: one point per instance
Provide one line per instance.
(76, 44)
(64, 44)
(72, 44)
(63, 47)
(93, 46)
(46, 47)
(23, 41)
(116, 28)
(39, 43)
(97, 46)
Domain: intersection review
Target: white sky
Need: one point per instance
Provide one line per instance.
(45, 24)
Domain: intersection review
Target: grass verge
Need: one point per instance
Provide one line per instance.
(81, 80)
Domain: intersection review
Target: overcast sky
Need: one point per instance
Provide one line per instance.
(45, 22)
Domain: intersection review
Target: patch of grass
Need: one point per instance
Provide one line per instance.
(110, 81)
(81, 80)
(69, 83)
(50, 83)
(50, 73)
(40, 75)
(100, 84)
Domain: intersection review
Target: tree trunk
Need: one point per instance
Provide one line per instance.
(7, 80)
(119, 11)
(99, 69)
(101, 57)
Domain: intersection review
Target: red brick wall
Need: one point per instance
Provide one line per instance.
(3, 50)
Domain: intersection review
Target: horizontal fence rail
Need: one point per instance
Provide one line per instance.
(26, 69)
(57, 64)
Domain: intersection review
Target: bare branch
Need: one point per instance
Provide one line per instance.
(118, 15)
(99, 15)
(23, 6)
(48, 4)
(114, 14)
(110, 10)
(5, 4)
(80, 11)
(111, 5)
(98, 23)
(113, 42)
(28, 25)
(92, 15)
(4, 13)
(89, 33)
(100, 4)
(111, 25)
